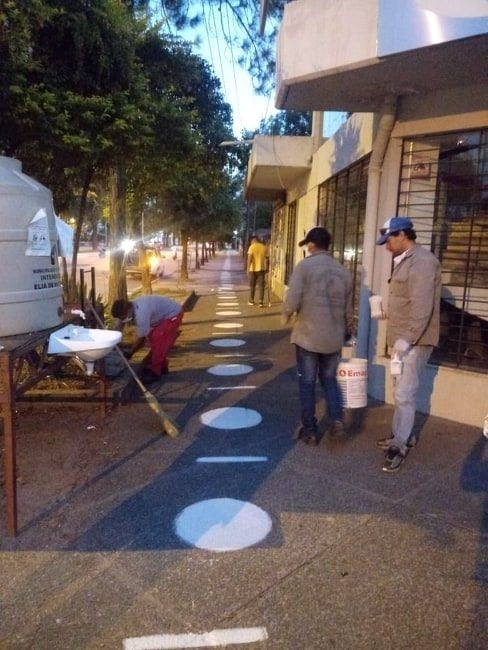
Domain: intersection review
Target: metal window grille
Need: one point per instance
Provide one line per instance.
(341, 209)
(444, 190)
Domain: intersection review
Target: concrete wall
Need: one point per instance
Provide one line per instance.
(350, 143)
(454, 394)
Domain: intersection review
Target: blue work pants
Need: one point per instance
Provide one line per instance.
(311, 365)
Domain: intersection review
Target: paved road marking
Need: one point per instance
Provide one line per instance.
(230, 369)
(232, 388)
(232, 459)
(222, 525)
(231, 417)
(227, 343)
(213, 639)
(228, 326)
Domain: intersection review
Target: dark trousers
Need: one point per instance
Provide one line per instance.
(256, 279)
(311, 365)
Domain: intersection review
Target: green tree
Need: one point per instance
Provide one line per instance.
(287, 123)
(75, 95)
(184, 195)
(239, 22)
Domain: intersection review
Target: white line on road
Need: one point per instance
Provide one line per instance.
(231, 388)
(232, 459)
(213, 639)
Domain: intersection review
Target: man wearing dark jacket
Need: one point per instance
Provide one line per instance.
(320, 294)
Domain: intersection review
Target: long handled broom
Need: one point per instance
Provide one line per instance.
(168, 425)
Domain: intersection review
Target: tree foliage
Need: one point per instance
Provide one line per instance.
(287, 123)
(238, 21)
(98, 96)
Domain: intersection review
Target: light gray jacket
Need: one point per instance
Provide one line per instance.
(320, 293)
(414, 299)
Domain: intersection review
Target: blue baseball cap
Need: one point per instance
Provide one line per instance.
(393, 225)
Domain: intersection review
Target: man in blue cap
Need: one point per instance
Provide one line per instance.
(412, 329)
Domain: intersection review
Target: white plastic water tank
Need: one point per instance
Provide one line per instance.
(31, 296)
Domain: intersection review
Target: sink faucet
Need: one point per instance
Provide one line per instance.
(78, 312)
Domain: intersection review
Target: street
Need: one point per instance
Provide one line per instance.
(89, 258)
(234, 534)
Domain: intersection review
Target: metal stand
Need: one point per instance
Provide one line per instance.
(24, 363)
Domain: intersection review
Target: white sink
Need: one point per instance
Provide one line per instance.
(87, 344)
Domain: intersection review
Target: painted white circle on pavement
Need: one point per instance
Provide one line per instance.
(231, 417)
(229, 312)
(227, 343)
(222, 524)
(227, 304)
(230, 369)
(228, 326)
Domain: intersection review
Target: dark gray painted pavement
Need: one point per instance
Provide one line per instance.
(355, 558)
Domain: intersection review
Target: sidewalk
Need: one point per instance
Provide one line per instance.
(355, 558)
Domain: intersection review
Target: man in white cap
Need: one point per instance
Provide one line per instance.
(320, 294)
(412, 329)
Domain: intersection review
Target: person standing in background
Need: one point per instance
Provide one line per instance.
(257, 262)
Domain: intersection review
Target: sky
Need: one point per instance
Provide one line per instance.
(248, 108)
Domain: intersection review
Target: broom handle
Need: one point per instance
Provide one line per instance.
(121, 354)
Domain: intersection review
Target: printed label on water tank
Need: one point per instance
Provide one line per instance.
(47, 278)
(38, 242)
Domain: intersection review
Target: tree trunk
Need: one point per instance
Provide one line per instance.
(71, 289)
(197, 258)
(65, 279)
(145, 269)
(117, 285)
(184, 256)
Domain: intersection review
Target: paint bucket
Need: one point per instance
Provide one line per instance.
(352, 376)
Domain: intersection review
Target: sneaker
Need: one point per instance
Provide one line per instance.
(149, 377)
(250, 302)
(385, 443)
(393, 460)
(261, 304)
(337, 429)
(307, 438)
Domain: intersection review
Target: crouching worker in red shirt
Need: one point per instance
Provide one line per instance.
(157, 319)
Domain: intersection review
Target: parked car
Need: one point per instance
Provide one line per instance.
(154, 260)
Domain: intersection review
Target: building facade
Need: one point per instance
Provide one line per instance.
(411, 77)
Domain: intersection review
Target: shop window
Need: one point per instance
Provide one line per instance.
(444, 190)
(341, 209)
